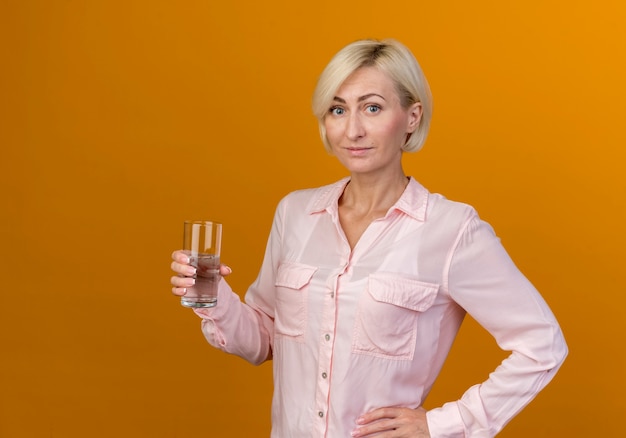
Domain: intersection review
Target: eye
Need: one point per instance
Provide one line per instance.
(372, 109)
(337, 111)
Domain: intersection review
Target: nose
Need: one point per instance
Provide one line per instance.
(355, 128)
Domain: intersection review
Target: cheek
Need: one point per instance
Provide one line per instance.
(332, 132)
(397, 129)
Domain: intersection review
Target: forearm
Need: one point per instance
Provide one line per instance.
(236, 328)
(486, 408)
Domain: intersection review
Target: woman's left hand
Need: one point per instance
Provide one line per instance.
(393, 423)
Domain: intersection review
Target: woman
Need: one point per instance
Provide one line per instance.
(365, 282)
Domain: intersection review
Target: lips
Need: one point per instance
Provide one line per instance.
(358, 150)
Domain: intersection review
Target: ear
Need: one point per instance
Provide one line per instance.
(414, 116)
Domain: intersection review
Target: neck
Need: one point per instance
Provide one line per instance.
(367, 194)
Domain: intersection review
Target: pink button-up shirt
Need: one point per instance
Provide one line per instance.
(355, 330)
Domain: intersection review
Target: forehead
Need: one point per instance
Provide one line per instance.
(366, 80)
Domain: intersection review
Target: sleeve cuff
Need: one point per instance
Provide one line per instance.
(224, 293)
(445, 422)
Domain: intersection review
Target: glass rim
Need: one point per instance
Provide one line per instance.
(200, 221)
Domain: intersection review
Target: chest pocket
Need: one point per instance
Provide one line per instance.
(388, 314)
(292, 286)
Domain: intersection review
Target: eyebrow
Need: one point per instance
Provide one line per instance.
(360, 99)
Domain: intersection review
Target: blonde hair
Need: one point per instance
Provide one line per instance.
(392, 58)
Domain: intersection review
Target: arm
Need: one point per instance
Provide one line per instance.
(485, 282)
(245, 328)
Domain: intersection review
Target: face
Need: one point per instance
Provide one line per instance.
(367, 126)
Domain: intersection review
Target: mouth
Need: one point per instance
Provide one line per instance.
(358, 149)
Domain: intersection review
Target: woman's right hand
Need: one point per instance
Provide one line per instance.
(185, 272)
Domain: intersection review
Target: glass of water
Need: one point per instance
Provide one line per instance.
(202, 241)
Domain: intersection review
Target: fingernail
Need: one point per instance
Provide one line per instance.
(230, 271)
(193, 282)
(191, 271)
(184, 290)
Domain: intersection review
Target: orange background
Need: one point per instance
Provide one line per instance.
(120, 119)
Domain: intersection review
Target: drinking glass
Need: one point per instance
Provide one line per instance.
(202, 241)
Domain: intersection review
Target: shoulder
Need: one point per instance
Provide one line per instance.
(458, 221)
(442, 209)
(311, 200)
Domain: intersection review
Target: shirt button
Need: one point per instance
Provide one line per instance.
(327, 337)
(320, 413)
(324, 375)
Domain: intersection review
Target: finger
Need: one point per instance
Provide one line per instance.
(182, 282)
(378, 420)
(180, 257)
(225, 270)
(378, 414)
(179, 291)
(183, 269)
(385, 425)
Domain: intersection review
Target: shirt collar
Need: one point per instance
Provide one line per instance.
(413, 202)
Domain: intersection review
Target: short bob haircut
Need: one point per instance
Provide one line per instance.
(392, 58)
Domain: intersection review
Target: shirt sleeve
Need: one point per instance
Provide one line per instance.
(246, 329)
(485, 282)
